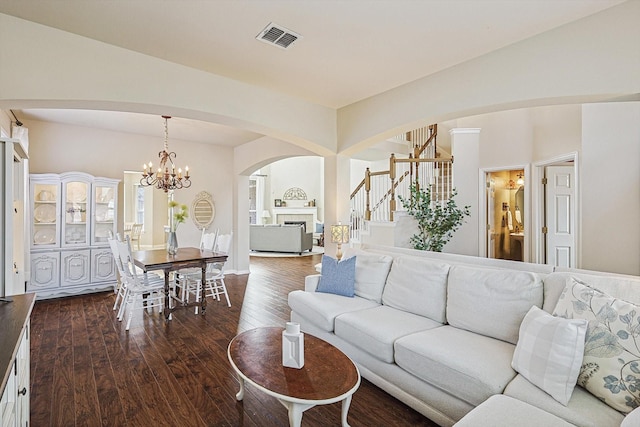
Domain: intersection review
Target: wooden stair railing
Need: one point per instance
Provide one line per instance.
(387, 194)
(415, 168)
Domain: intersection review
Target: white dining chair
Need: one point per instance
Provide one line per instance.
(214, 283)
(120, 286)
(136, 234)
(139, 293)
(208, 241)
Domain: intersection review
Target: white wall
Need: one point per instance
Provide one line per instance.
(610, 187)
(306, 173)
(5, 123)
(466, 149)
(557, 130)
(357, 171)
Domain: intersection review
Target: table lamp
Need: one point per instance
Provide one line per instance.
(266, 215)
(339, 235)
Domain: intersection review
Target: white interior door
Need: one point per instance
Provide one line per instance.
(560, 196)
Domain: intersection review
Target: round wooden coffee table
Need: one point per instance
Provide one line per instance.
(327, 376)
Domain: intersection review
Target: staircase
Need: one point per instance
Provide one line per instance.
(375, 197)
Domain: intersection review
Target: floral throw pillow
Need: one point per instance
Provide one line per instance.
(611, 365)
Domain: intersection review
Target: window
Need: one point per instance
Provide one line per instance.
(256, 198)
(139, 214)
(252, 200)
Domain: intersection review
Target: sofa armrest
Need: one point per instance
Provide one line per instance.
(307, 241)
(311, 282)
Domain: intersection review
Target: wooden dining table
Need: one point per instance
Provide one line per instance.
(160, 259)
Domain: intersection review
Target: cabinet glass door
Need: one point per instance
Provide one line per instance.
(104, 213)
(45, 214)
(76, 226)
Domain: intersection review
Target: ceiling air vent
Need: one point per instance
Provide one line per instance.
(278, 36)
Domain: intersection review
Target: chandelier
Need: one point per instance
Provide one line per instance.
(165, 178)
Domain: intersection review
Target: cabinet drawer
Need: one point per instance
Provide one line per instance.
(45, 270)
(75, 267)
(103, 267)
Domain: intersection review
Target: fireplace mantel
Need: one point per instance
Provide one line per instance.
(308, 214)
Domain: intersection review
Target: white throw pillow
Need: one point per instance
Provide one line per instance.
(549, 352)
(632, 420)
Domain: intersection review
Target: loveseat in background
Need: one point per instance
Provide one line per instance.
(439, 331)
(280, 238)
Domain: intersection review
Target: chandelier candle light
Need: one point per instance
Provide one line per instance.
(165, 179)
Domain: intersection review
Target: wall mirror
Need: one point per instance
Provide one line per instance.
(520, 203)
(202, 210)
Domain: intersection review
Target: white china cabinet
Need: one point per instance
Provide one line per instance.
(73, 215)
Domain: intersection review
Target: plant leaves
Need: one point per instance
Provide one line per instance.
(580, 306)
(628, 318)
(606, 314)
(602, 343)
(436, 222)
(623, 334)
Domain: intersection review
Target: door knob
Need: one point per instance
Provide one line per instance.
(22, 392)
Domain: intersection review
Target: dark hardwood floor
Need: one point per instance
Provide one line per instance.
(86, 370)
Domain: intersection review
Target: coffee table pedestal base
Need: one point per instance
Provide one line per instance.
(295, 409)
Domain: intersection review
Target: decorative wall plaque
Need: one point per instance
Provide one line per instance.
(295, 193)
(202, 210)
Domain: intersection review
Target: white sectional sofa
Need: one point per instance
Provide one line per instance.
(439, 331)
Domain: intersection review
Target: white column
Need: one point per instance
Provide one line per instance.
(240, 245)
(609, 188)
(465, 148)
(336, 197)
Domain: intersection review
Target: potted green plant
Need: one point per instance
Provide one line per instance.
(436, 221)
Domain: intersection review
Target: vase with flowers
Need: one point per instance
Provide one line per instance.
(176, 217)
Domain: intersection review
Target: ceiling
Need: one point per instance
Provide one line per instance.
(349, 50)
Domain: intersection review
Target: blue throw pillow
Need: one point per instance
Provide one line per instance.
(319, 227)
(338, 277)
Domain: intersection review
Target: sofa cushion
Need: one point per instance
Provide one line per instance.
(491, 302)
(418, 286)
(504, 411)
(583, 409)
(371, 273)
(321, 309)
(338, 277)
(469, 366)
(611, 365)
(549, 352)
(376, 329)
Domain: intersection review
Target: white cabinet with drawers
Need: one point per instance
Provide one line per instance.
(15, 360)
(72, 217)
